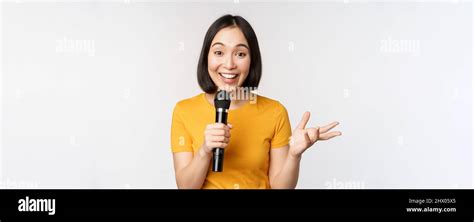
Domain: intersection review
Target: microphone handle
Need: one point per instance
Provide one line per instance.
(218, 153)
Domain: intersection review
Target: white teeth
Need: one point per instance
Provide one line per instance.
(228, 76)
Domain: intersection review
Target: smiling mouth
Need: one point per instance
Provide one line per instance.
(229, 75)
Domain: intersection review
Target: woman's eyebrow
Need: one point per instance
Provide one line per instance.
(242, 45)
(238, 45)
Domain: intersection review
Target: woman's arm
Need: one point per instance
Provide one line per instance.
(191, 170)
(285, 161)
(284, 169)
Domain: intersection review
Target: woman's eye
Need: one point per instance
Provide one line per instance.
(218, 53)
(241, 54)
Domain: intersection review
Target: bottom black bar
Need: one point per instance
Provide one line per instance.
(447, 205)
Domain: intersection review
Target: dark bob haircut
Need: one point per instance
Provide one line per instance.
(255, 71)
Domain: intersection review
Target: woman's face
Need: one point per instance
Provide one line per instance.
(229, 58)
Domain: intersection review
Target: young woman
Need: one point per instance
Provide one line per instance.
(260, 149)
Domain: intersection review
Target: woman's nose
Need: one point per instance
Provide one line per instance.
(229, 63)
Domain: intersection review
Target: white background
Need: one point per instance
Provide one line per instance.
(98, 114)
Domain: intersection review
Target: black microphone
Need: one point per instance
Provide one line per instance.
(222, 104)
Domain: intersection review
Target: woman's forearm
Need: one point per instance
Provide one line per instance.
(287, 178)
(193, 175)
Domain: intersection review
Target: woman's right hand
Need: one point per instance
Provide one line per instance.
(216, 135)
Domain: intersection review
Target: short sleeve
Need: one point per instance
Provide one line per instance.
(181, 140)
(282, 134)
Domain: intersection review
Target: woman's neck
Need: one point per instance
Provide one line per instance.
(234, 104)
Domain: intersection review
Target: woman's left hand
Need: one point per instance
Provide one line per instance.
(302, 138)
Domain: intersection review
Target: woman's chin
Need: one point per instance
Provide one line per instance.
(228, 87)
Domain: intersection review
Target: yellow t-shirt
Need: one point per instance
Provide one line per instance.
(257, 127)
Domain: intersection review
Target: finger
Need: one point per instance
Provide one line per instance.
(217, 138)
(317, 134)
(328, 127)
(219, 132)
(304, 120)
(218, 145)
(225, 140)
(313, 133)
(329, 135)
(230, 125)
(218, 126)
(306, 137)
(216, 132)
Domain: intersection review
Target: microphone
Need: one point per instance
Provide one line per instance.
(222, 104)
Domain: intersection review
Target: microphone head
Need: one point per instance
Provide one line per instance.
(222, 99)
